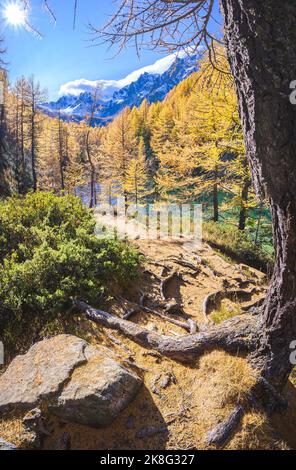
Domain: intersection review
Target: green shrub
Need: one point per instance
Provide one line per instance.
(49, 254)
(237, 245)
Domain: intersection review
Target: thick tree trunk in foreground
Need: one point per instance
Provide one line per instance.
(261, 43)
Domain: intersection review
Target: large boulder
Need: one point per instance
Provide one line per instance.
(97, 392)
(41, 373)
(75, 381)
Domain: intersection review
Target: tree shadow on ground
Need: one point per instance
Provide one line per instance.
(140, 426)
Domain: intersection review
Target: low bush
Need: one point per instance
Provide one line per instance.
(49, 254)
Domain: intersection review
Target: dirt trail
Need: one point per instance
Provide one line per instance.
(212, 273)
(177, 404)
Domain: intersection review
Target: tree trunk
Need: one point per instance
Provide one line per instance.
(33, 150)
(243, 210)
(260, 39)
(22, 143)
(215, 203)
(61, 153)
(93, 192)
(256, 241)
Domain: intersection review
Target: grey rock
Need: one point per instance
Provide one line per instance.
(166, 381)
(41, 373)
(36, 428)
(97, 392)
(74, 380)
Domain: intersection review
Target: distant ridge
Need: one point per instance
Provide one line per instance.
(152, 83)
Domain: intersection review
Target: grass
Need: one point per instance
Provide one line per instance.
(225, 312)
(293, 377)
(237, 245)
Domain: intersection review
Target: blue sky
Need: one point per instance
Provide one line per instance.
(63, 55)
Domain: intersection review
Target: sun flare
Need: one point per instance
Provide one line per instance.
(15, 14)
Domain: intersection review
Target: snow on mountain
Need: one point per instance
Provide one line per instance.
(152, 83)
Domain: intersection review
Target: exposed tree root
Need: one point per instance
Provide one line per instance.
(165, 284)
(222, 433)
(262, 396)
(270, 399)
(190, 325)
(235, 335)
(131, 312)
(177, 259)
(158, 264)
(186, 264)
(213, 300)
(187, 326)
(255, 308)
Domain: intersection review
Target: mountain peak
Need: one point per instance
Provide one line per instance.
(152, 83)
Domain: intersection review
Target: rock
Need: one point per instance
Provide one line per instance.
(7, 445)
(151, 327)
(167, 380)
(35, 426)
(74, 380)
(151, 431)
(163, 382)
(97, 392)
(34, 421)
(40, 374)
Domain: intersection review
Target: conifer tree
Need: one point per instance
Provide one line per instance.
(121, 147)
(35, 95)
(136, 178)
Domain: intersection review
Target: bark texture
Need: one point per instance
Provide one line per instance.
(237, 335)
(260, 39)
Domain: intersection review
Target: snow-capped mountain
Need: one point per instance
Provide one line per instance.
(152, 83)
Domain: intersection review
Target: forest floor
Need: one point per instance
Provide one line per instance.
(177, 404)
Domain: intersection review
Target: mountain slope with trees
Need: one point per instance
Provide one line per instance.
(260, 46)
